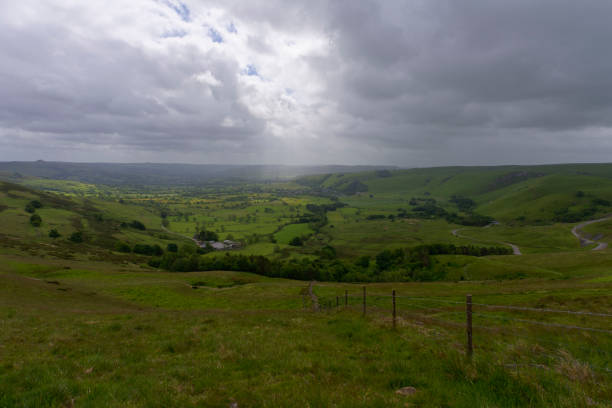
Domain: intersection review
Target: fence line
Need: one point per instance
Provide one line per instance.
(536, 322)
(535, 309)
(429, 314)
(509, 307)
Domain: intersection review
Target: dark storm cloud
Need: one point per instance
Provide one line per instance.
(425, 82)
(506, 64)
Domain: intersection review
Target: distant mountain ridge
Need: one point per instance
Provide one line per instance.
(115, 174)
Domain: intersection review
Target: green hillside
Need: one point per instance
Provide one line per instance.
(535, 207)
(525, 194)
(82, 226)
(118, 316)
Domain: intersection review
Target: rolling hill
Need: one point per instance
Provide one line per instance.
(524, 194)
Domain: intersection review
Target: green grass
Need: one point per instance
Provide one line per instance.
(82, 325)
(108, 335)
(601, 230)
(530, 239)
(506, 193)
(291, 231)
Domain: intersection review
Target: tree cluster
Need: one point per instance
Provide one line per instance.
(411, 264)
(205, 235)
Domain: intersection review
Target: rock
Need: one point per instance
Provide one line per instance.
(406, 391)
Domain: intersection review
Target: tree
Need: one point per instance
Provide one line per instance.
(363, 261)
(171, 247)
(35, 220)
(204, 235)
(32, 206)
(384, 260)
(328, 252)
(297, 241)
(150, 250)
(122, 247)
(76, 237)
(54, 234)
(137, 225)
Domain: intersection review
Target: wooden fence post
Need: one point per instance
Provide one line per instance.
(346, 298)
(364, 300)
(468, 311)
(394, 314)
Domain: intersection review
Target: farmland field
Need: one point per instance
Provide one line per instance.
(119, 307)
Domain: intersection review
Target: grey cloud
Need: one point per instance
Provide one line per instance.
(106, 91)
(424, 82)
(487, 62)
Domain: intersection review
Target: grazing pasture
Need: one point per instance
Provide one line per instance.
(108, 301)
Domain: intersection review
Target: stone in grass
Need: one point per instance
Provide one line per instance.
(407, 391)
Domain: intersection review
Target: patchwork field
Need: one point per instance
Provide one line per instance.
(106, 301)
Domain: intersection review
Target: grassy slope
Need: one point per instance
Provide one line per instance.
(101, 335)
(525, 199)
(291, 231)
(99, 220)
(536, 197)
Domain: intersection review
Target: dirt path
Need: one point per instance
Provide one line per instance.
(515, 249)
(584, 241)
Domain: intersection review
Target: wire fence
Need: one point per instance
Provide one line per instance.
(554, 337)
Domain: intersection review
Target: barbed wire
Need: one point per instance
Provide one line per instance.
(509, 307)
(535, 309)
(536, 322)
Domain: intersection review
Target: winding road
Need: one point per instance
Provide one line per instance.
(576, 231)
(584, 241)
(515, 249)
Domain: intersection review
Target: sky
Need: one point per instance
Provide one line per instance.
(410, 83)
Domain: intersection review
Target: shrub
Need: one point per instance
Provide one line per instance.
(137, 225)
(171, 247)
(76, 237)
(122, 247)
(206, 236)
(297, 241)
(328, 252)
(35, 220)
(32, 206)
(601, 201)
(363, 261)
(54, 234)
(150, 250)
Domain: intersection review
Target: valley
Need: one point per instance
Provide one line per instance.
(119, 290)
